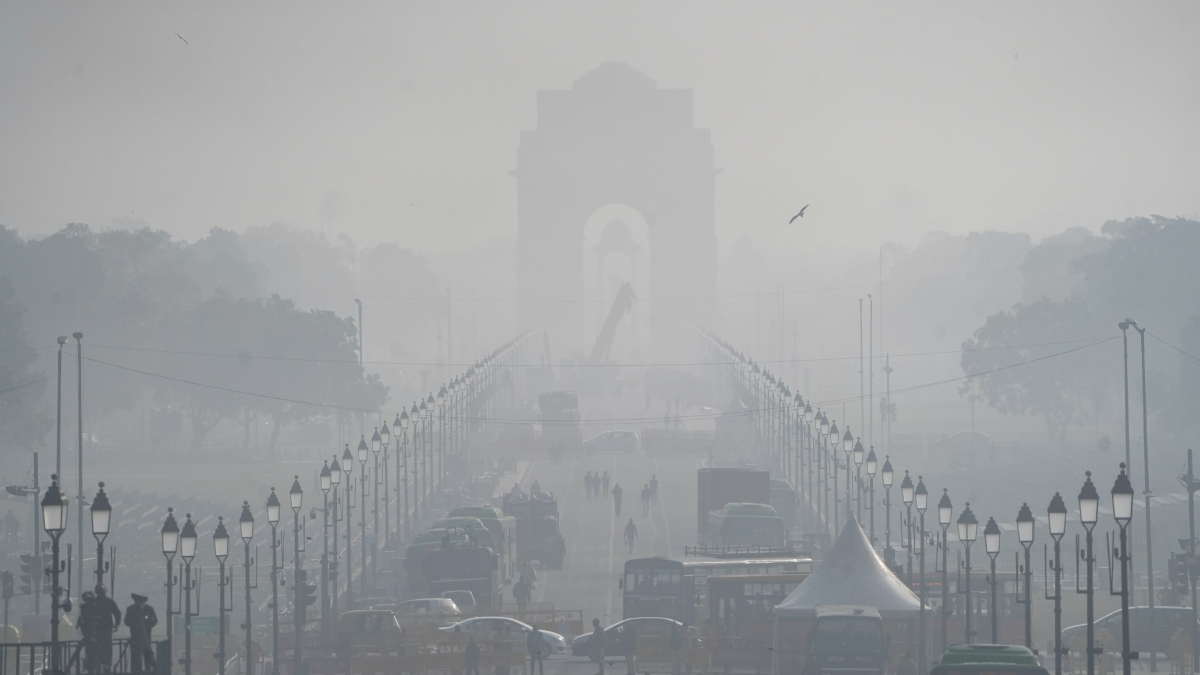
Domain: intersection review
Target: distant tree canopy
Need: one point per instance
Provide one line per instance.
(1140, 268)
(191, 314)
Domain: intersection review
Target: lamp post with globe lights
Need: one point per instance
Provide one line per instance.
(430, 409)
(347, 469)
(847, 448)
(809, 416)
(859, 457)
(1122, 504)
(872, 468)
(335, 480)
(221, 550)
(1089, 511)
(991, 545)
(968, 530)
(921, 501)
(363, 455)
(101, 512)
(886, 477)
(273, 521)
(170, 545)
(296, 499)
(54, 522)
(834, 438)
(326, 483)
(1056, 518)
(376, 448)
(1025, 525)
(246, 530)
(945, 513)
(403, 459)
(187, 551)
(906, 496)
(440, 406)
(385, 436)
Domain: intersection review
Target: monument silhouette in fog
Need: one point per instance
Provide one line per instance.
(615, 138)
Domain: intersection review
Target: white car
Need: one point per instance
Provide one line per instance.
(492, 627)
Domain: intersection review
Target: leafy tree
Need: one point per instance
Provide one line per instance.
(24, 418)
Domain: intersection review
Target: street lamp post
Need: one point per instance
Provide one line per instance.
(417, 454)
(246, 530)
(326, 482)
(1089, 506)
(441, 409)
(872, 467)
(101, 512)
(54, 522)
(1025, 524)
(347, 469)
(221, 549)
(376, 447)
(187, 551)
(335, 480)
(385, 435)
(968, 529)
(945, 513)
(403, 458)
(1056, 516)
(859, 456)
(991, 544)
(170, 544)
(886, 478)
(921, 501)
(831, 458)
(1122, 503)
(296, 498)
(273, 521)
(1146, 493)
(906, 496)
(847, 448)
(362, 515)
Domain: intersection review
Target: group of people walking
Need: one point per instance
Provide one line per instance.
(100, 617)
(596, 485)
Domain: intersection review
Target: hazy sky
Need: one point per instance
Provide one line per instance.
(399, 120)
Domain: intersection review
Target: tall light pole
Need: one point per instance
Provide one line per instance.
(1089, 506)
(79, 411)
(906, 496)
(859, 456)
(54, 522)
(1025, 526)
(1147, 494)
(326, 482)
(273, 521)
(362, 515)
(945, 513)
(296, 498)
(170, 544)
(101, 519)
(441, 409)
(221, 550)
(847, 448)
(1122, 504)
(1056, 517)
(991, 544)
(834, 438)
(968, 529)
(432, 405)
(246, 530)
(187, 551)
(872, 467)
(385, 436)
(921, 500)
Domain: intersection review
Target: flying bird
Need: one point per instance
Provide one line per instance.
(798, 215)
(180, 37)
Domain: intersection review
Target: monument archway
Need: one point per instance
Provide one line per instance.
(615, 137)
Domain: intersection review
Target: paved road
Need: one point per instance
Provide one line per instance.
(596, 550)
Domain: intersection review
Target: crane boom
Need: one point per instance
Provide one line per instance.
(623, 303)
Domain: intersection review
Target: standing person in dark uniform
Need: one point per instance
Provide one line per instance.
(107, 620)
(472, 655)
(653, 489)
(596, 643)
(87, 629)
(141, 619)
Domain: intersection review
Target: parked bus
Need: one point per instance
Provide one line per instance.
(739, 613)
(744, 523)
(846, 640)
(677, 589)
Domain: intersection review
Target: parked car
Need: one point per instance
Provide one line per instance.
(465, 600)
(492, 627)
(612, 441)
(646, 626)
(1167, 620)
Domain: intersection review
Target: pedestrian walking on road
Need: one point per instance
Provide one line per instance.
(646, 500)
(653, 489)
(538, 649)
(616, 493)
(472, 655)
(631, 535)
(605, 480)
(596, 643)
(521, 594)
(588, 484)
